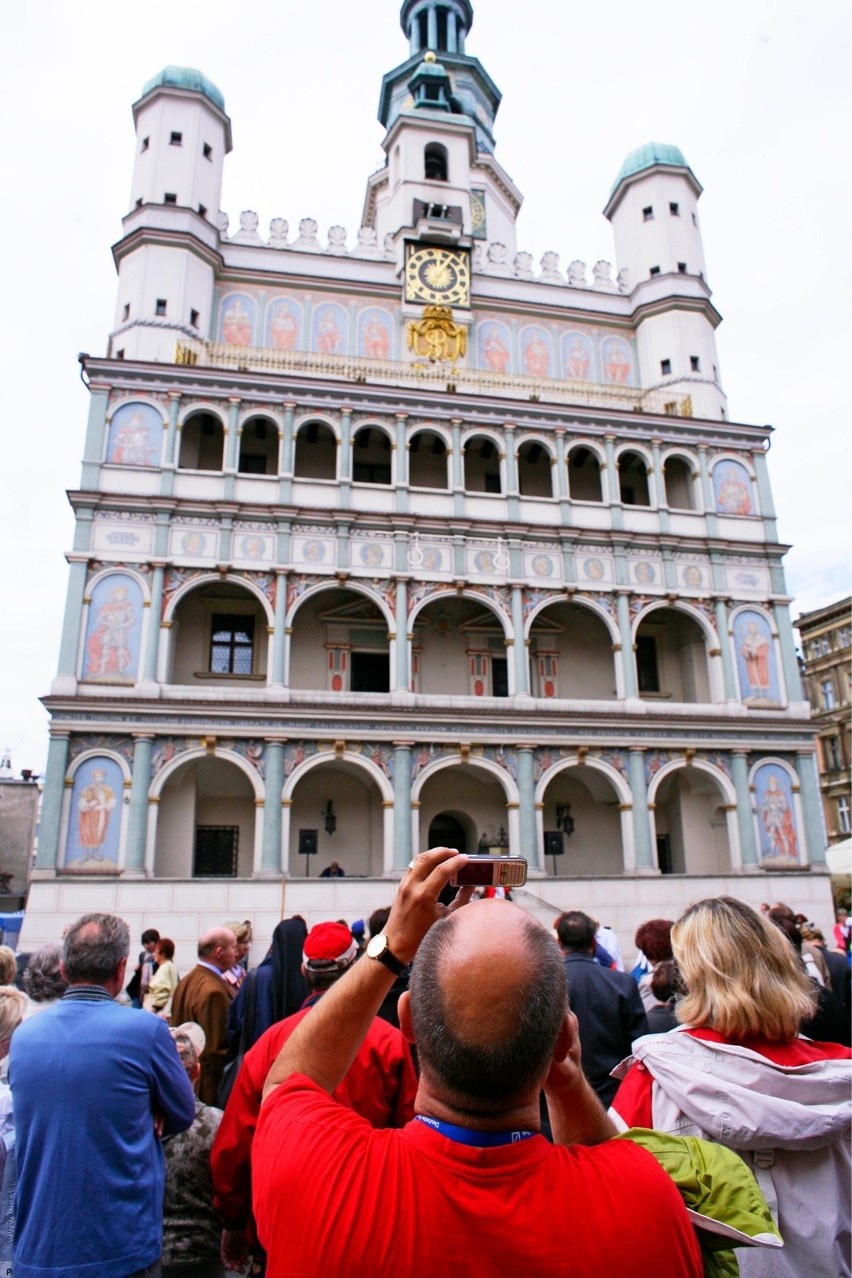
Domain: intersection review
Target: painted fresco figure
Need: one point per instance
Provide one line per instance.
(328, 333)
(131, 446)
(577, 364)
(376, 339)
(536, 357)
(108, 649)
(777, 820)
(495, 352)
(733, 496)
(755, 650)
(283, 329)
(236, 324)
(617, 365)
(94, 806)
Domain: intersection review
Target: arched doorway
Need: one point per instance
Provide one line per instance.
(459, 649)
(473, 798)
(582, 805)
(452, 830)
(341, 804)
(206, 822)
(691, 824)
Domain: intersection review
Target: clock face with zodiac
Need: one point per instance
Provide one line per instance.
(439, 276)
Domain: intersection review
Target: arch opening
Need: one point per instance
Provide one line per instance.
(534, 470)
(202, 443)
(571, 654)
(459, 649)
(316, 452)
(633, 480)
(584, 475)
(691, 824)
(219, 634)
(482, 466)
(206, 822)
(371, 456)
(677, 474)
(258, 447)
(582, 805)
(427, 460)
(671, 657)
(357, 842)
(339, 644)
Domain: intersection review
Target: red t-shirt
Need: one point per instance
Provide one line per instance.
(633, 1099)
(380, 1085)
(333, 1195)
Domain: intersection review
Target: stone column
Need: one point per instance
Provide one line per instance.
(645, 858)
(711, 520)
(789, 662)
(457, 468)
(402, 848)
(764, 493)
(662, 499)
(432, 27)
(728, 672)
(270, 859)
(232, 435)
(628, 665)
(400, 476)
(96, 432)
(401, 675)
(69, 647)
(745, 816)
(813, 816)
(526, 809)
(613, 486)
(152, 640)
(522, 665)
(276, 665)
(344, 467)
(50, 821)
(288, 454)
(512, 489)
(137, 815)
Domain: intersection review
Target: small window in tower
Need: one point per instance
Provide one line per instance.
(715, 373)
(120, 354)
(176, 139)
(648, 214)
(665, 367)
(160, 308)
(674, 210)
(655, 270)
(170, 198)
(202, 210)
(146, 142)
(435, 164)
(207, 151)
(694, 220)
(695, 363)
(193, 319)
(139, 202)
(125, 314)
(681, 266)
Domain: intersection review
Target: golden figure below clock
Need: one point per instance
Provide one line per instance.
(437, 275)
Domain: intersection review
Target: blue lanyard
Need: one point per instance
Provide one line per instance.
(467, 1136)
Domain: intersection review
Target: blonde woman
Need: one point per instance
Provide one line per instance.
(164, 981)
(736, 1071)
(235, 975)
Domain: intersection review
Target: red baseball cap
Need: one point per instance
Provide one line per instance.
(329, 945)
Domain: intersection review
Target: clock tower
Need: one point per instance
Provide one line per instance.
(441, 184)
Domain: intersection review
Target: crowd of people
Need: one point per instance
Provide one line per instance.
(447, 1085)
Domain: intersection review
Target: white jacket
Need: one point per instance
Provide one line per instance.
(790, 1124)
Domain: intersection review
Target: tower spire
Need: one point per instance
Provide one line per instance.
(439, 25)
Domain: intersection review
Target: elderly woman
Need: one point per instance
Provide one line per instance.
(43, 979)
(235, 975)
(737, 1072)
(164, 981)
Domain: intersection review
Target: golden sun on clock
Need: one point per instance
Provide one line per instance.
(437, 275)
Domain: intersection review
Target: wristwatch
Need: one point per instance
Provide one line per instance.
(377, 948)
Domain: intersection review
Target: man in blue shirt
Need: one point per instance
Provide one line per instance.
(95, 1085)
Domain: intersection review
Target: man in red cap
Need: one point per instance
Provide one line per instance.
(380, 1085)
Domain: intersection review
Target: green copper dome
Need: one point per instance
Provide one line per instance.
(645, 157)
(186, 78)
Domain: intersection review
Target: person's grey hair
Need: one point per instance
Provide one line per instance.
(13, 1003)
(43, 980)
(94, 946)
(8, 965)
(492, 1073)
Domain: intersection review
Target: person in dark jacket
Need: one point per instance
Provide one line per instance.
(279, 988)
(607, 1004)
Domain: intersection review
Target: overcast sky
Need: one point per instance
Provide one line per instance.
(756, 93)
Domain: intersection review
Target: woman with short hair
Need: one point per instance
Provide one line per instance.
(737, 1072)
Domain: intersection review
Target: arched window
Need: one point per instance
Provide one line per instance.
(482, 466)
(677, 473)
(435, 163)
(427, 460)
(534, 479)
(371, 456)
(633, 480)
(584, 475)
(258, 447)
(202, 442)
(316, 452)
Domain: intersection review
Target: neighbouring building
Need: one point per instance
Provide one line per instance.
(826, 635)
(400, 538)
